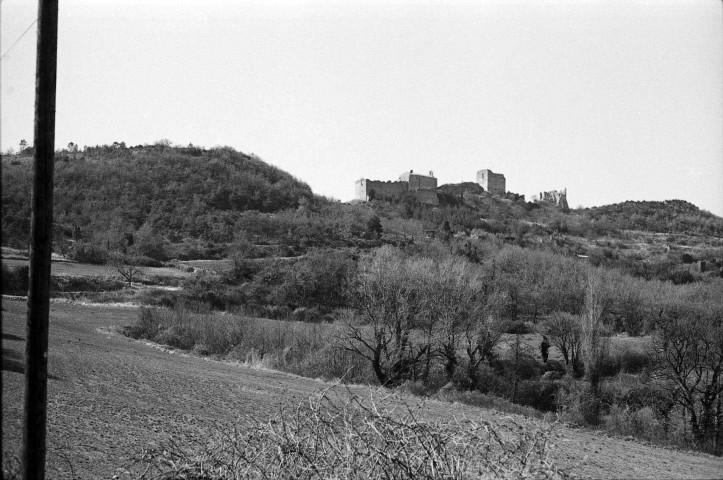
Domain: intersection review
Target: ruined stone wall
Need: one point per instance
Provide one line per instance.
(365, 188)
(417, 181)
(426, 196)
(492, 182)
(553, 197)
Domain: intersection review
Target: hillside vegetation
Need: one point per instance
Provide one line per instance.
(189, 202)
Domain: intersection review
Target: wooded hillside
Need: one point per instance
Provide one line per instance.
(113, 191)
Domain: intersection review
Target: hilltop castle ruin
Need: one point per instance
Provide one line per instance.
(424, 188)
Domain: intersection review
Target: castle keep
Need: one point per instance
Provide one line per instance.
(492, 182)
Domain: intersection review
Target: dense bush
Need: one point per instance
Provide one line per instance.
(84, 284)
(538, 394)
(206, 289)
(642, 423)
(88, 253)
(319, 280)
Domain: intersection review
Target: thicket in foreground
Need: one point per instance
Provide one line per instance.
(342, 435)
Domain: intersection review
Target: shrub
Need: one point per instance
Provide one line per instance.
(157, 298)
(151, 244)
(571, 401)
(195, 249)
(642, 423)
(332, 362)
(176, 336)
(15, 280)
(680, 276)
(625, 361)
(517, 327)
(146, 326)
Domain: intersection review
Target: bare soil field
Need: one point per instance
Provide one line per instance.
(110, 396)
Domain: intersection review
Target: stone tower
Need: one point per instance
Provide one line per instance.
(494, 183)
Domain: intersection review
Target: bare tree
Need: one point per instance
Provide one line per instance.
(455, 303)
(480, 339)
(595, 342)
(126, 265)
(564, 331)
(688, 348)
(388, 303)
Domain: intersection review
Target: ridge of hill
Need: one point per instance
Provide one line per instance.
(658, 216)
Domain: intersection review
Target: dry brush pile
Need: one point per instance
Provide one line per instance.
(342, 435)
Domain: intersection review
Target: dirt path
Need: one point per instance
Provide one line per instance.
(110, 396)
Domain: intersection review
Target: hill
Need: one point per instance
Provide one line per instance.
(108, 192)
(189, 202)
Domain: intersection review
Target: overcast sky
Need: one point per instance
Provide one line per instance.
(614, 100)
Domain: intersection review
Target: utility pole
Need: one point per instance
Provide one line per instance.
(41, 230)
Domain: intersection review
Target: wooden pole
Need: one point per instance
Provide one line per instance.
(41, 228)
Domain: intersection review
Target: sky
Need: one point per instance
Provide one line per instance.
(613, 100)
